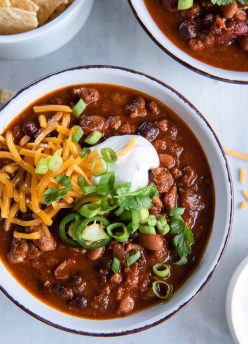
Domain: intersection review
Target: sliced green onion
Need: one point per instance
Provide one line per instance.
(144, 214)
(116, 264)
(126, 216)
(93, 138)
(106, 183)
(162, 289)
(55, 163)
(119, 211)
(133, 258)
(162, 225)
(177, 212)
(93, 165)
(132, 227)
(135, 216)
(89, 210)
(118, 231)
(42, 166)
(85, 151)
(161, 270)
(152, 221)
(184, 4)
(108, 155)
(79, 108)
(147, 229)
(78, 134)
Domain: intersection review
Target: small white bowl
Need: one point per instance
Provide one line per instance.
(236, 308)
(49, 37)
(223, 200)
(147, 22)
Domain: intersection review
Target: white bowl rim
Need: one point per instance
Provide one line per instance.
(230, 184)
(198, 70)
(34, 33)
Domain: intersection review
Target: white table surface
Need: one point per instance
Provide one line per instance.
(113, 36)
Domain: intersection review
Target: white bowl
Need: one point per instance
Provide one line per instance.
(223, 199)
(236, 303)
(49, 37)
(147, 22)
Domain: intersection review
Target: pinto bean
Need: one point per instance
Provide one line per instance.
(167, 160)
(230, 10)
(170, 198)
(126, 129)
(96, 253)
(126, 305)
(152, 242)
(44, 243)
(64, 269)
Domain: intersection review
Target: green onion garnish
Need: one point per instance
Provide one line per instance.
(135, 216)
(93, 166)
(162, 225)
(87, 189)
(79, 108)
(42, 166)
(132, 227)
(85, 151)
(184, 4)
(161, 270)
(177, 212)
(77, 134)
(161, 289)
(147, 229)
(108, 155)
(55, 163)
(144, 214)
(89, 210)
(93, 138)
(126, 216)
(133, 258)
(116, 264)
(106, 183)
(118, 231)
(152, 221)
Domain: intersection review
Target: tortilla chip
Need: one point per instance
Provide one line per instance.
(5, 95)
(58, 11)
(4, 3)
(15, 20)
(27, 5)
(47, 8)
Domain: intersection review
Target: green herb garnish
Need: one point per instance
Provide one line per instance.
(53, 194)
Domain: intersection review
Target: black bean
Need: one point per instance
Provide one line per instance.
(187, 30)
(208, 20)
(30, 128)
(80, 302)
(77, 279)
(25, 216)
(63, 292)
(148, 130)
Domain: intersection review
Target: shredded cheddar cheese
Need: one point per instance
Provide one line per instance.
(128, 147)
(243, 205)
(242, 175)
(236, 154)
(27, 188)
(29, 236)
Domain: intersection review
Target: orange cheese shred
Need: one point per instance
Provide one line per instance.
(128, 147)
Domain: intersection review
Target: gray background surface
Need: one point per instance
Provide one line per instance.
(113, 36)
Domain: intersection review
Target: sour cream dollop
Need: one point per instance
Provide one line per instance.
(132, 167)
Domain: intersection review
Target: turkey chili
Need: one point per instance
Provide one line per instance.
(212, 31)
(107, 200)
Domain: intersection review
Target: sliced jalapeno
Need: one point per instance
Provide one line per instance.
(90, 233)
(67, 229)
